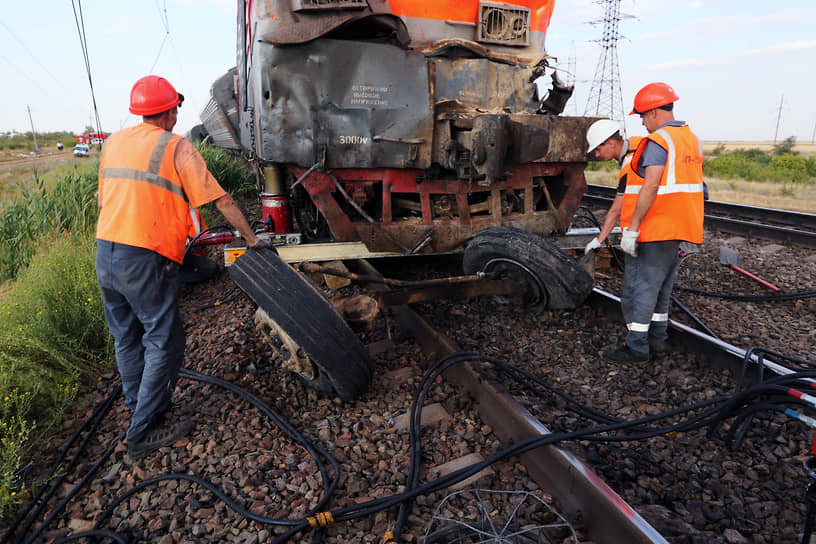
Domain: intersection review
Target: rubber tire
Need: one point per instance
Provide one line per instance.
(566, 283)
(299, 308)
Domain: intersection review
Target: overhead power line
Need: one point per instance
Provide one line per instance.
(80, 22)
(27, 50)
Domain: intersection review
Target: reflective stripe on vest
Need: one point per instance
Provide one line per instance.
(677, 210)
(143, 202)
(196, 227)
(152, 174)
(670, 174)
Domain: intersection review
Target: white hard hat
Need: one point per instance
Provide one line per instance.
(600, 131)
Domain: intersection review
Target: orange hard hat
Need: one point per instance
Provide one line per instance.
(153, 94)
(653, 96)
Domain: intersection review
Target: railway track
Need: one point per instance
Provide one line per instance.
(577, 488)
(770, 224)
(264, 471)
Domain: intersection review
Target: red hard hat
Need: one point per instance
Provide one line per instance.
(153, 94)
(653, 96)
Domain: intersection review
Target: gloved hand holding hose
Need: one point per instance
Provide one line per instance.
(592, 245)
(263, 243)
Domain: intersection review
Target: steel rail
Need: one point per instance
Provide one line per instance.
(688, 339)
(577, 488)
(607, 517)
(768, 223)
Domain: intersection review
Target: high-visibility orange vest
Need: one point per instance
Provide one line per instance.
(677, 211)
(143, 202)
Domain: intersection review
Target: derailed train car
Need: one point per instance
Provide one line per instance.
(398, 127)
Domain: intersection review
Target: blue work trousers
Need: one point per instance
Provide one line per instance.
(139, 293)
(648, 280)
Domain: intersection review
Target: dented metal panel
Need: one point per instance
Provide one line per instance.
(488, 85)
(364, 105)
(359, 104)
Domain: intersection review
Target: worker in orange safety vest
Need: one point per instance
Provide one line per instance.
(662, 207)
(149, 181)
(605, 142)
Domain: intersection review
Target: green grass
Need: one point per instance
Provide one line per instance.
(52, 339)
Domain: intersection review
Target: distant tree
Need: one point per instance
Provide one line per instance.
(89, 129)
(785, 147)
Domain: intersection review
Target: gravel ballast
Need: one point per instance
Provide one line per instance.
(691, 487)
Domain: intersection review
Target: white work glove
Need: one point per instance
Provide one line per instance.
(629, 241)
(593, 244)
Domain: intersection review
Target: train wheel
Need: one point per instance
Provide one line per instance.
(306, 331)
(550, 278)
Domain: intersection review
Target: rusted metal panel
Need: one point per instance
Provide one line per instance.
(488, 85)
(442, 209)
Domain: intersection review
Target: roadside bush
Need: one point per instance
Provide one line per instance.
(37, 211)
(52, 337)
(231, 171)
(606, 166)
(234, 175)
(14, 432)
(719, 150)
(785, 147)
(756, 165)
(791, 166)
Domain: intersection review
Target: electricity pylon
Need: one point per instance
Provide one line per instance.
(605, 94)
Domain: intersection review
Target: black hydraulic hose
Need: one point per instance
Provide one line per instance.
(316, 452)
(750, 298)
(713, 413)
(231, 295)
(594, 434)
(76, 489)
(760, 354)
(319, 455)
(745, 418)
(694, 317)
(95, 533)
(40, 501)
(706, 419)
(192, 242)
(589, 215)
(714, 410)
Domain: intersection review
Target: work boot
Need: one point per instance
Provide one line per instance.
(657, 350)
(623, 354)
(157, 437)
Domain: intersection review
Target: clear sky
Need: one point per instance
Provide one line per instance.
(732, 62)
